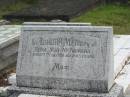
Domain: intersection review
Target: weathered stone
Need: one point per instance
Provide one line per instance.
(123, 79)
(66, 57)
(128, 91)
(10, 61)
(9, 36)
(3, 91)
(8, 56)
(12, 79)
(4, 22)
(9, 50)
(116, 91)
(56, 24)
(121, 52)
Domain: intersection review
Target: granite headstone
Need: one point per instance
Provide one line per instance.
(77, 58)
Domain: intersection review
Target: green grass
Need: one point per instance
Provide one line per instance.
(114, 15)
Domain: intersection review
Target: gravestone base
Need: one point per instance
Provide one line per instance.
(14, 91)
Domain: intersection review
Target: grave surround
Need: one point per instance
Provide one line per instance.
(73, 60)
(9, 40)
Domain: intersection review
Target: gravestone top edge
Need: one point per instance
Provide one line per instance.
(70, 28)
(53, 23)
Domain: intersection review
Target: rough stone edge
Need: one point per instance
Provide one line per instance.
(116, 91)
(9, 41)
(12, 39)
(57, 23)
(8, 62)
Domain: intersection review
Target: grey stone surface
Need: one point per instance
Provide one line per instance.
(14, 95)
(9, 34)
(116, 91)
(58, 24)
(4, 22)
(127, 92)
(121, 52)
(6, 61)
(9, 37)
(32, 95)
(12, 79)
(3, 91)
(123, 79)
(9, 50)
(66, 57)
(10, 61)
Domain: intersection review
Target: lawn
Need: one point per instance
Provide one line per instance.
(114, 15)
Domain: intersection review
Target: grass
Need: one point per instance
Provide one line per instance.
(114, 15)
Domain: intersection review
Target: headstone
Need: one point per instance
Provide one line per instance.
(73, 58)
(66, 61)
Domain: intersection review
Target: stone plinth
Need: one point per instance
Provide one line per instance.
(116, 91)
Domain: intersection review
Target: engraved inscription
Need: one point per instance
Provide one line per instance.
(61, 41)
(65, 54)
(58, 66)
(63, 47)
